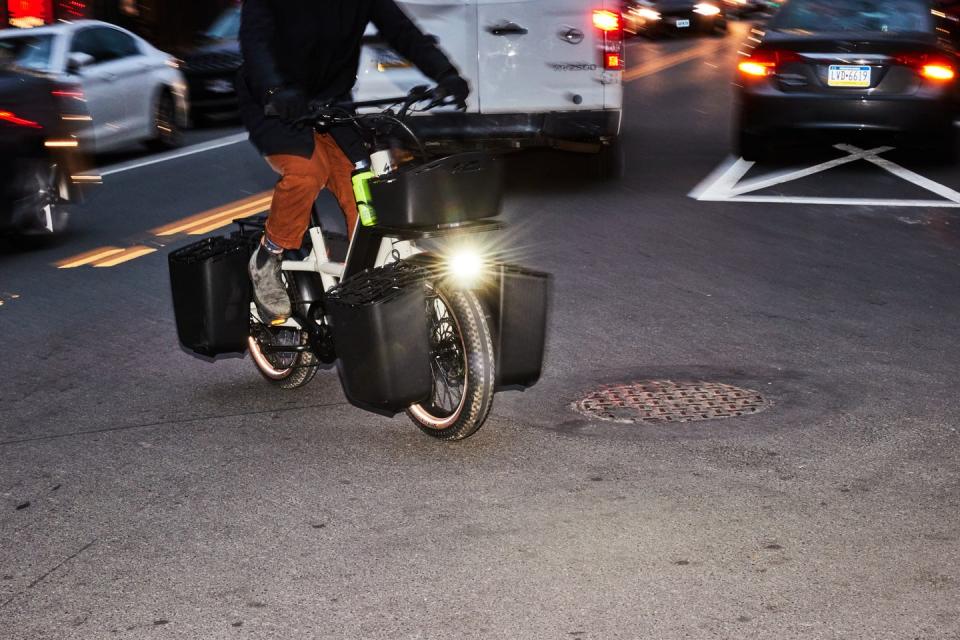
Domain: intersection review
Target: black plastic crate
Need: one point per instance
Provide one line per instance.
(379, 320)
(518, 300)
(454, 189)
(212, 295)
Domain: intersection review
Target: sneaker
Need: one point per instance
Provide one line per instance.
(269, 292)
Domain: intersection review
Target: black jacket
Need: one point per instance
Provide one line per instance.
(314, 45)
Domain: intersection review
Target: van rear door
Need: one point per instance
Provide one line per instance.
(453, 23)
(548, 55)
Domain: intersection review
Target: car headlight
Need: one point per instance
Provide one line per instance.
(648, 14)
(706, 9)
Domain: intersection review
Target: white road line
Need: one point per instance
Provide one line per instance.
(766, 182)
(719, 183)
(916, 178)
(856, 202)
(722, 185)
(170, 155)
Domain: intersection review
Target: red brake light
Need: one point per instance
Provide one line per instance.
(12, 118)
(606, 20)
(765, 62)
(932, 67)
(612, 61)
(938, 72)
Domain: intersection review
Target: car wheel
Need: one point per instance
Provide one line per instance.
(42, 210)
(166, 128)
(945, 145)
(750, 146)
(720, 29)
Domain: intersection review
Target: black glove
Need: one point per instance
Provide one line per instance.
(287, 104)
(455, 87)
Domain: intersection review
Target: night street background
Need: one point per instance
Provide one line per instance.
(145, 493)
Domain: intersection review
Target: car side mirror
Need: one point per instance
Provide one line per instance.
(77, 61)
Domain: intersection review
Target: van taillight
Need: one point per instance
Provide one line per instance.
(606, 20)
(610, 25)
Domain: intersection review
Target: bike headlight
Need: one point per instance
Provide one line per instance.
(465, 266)
(706, 9)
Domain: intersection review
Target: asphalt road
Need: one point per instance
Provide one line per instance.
(148, 494)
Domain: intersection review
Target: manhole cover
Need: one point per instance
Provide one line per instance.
(659, 401)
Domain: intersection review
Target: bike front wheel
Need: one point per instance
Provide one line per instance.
(462, 363)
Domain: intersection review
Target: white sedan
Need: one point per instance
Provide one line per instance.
(133, 92)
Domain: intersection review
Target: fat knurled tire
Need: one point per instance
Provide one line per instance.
(477, 342)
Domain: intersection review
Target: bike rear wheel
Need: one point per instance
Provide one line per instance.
(287, 370)
(463, 366)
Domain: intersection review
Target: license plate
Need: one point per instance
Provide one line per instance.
(844, 76)
(683, 24)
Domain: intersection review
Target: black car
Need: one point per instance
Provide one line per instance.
(211, 68)
(40, 154)
(850, 67)
(654, 18)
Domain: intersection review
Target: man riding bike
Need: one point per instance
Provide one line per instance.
(297, 52)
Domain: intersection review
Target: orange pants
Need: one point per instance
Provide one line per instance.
(301, 181)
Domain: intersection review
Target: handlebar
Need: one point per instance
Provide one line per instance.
(344, 112)
(326, 115)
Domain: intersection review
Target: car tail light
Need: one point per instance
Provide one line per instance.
(611, 26)
(938, 72)
(73, 92)
(12, 118)
(932, 67)
(765, 62)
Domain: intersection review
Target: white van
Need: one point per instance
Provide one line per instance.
(541, 72)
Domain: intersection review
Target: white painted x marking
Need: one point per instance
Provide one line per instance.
(724, 184)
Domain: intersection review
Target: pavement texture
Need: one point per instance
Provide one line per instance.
(147, 494)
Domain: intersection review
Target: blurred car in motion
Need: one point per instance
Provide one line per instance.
(541, 72)
(850, 66)
(741, 8)
(654, 18)
(211, 67)
(948, 16)
(41, 120)
(133, 92)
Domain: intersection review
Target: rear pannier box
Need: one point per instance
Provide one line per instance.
(381, 337)
(458, 188)
(211, 295)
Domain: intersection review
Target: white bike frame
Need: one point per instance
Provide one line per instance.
(391, 250)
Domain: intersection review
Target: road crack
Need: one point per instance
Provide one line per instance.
(47, 574)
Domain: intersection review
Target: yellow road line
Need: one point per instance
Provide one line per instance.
(662, 64)
(225, 219)
(125, 256)
(260, 200)
(88, 257)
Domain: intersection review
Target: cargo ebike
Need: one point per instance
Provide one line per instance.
(418, 319)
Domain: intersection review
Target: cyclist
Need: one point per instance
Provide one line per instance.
(296, 52)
